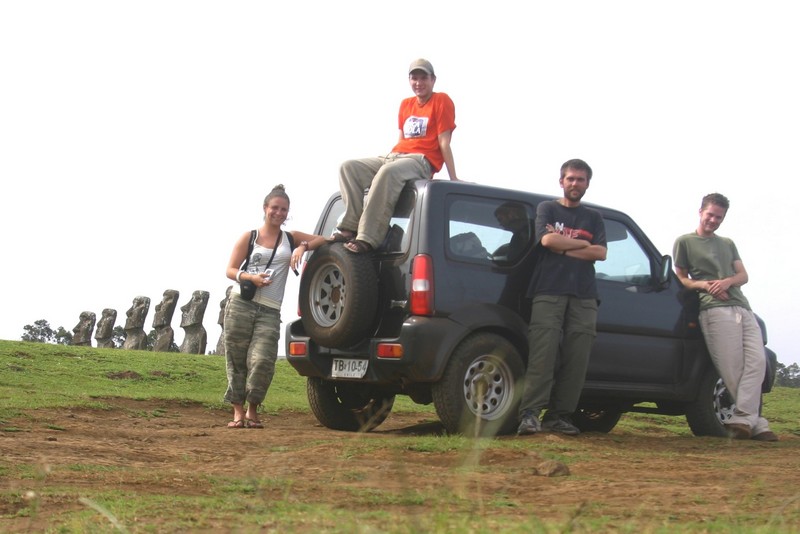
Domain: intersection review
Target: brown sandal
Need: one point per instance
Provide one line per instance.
(254, 423)
(238, 423)
(356, 246)
(341, 236)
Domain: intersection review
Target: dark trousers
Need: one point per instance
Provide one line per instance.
(560, 338)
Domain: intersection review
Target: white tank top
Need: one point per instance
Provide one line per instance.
(272, 294)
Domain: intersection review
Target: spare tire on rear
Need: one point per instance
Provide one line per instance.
(338, 296)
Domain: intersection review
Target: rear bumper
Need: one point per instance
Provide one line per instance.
(427, 343)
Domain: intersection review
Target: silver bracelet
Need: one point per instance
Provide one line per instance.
(238, 274)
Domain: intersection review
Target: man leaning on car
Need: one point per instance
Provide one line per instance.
(710, 264)
(564, 293)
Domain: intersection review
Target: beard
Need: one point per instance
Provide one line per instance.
(574, 194)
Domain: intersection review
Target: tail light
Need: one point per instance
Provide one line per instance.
(421, 302)
(298, 348)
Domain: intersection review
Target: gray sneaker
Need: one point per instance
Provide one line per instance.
(562, 425)
(529, 424)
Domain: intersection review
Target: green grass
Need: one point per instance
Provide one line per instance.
(34, 376)
(40, 377)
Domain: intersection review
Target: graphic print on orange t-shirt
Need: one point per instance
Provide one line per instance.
(415, 127)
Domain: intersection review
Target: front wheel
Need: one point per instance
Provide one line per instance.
(346, 405)
(713, 407)
(480, 390)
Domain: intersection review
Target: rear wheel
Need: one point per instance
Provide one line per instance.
(346, 405)
(338, 296)
(480, 390)
(713, 407)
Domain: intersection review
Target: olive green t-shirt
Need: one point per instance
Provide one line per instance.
(709, 258)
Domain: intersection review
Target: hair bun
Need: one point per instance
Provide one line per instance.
(277, 192)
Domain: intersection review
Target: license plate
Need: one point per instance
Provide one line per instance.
(346, 368)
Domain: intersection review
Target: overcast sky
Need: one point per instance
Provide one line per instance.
(138, 139)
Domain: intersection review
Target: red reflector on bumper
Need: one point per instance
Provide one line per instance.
(390, 350)
(298, 348)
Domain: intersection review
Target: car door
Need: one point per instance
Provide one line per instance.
(642, 326)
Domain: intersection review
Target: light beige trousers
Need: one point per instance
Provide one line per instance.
(734, 341)
(385, 177)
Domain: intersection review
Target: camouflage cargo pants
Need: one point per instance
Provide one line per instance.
(252, 332)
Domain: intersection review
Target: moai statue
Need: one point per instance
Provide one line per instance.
(194, 341)
(82, 333)
(105, 329)
(221, 322)
(165, 335)
(135, 338)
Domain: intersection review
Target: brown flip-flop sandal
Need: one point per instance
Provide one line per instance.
(339, 237)
(356, 246)
(236, 424)
(254, 423)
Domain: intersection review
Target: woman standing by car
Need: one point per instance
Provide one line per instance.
(260, 264)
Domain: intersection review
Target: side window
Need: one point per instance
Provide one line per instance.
(626, 260)
(489, 230)
(396, 239)
(333, 218)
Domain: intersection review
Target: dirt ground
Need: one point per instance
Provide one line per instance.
(649, 475)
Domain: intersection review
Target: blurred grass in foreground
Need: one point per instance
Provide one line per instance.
(35, 376)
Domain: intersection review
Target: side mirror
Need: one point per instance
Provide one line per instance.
(666, 270)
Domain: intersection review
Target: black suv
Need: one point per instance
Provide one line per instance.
(439, 313)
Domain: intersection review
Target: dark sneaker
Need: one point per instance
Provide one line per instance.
(767, 435)
(561, 425)
(529, 424)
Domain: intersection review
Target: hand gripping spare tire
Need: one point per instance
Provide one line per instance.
(338, 296)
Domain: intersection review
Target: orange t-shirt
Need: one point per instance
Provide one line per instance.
(421, 126)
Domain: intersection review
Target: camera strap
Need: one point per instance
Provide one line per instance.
(277, 242)
(253, 237)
